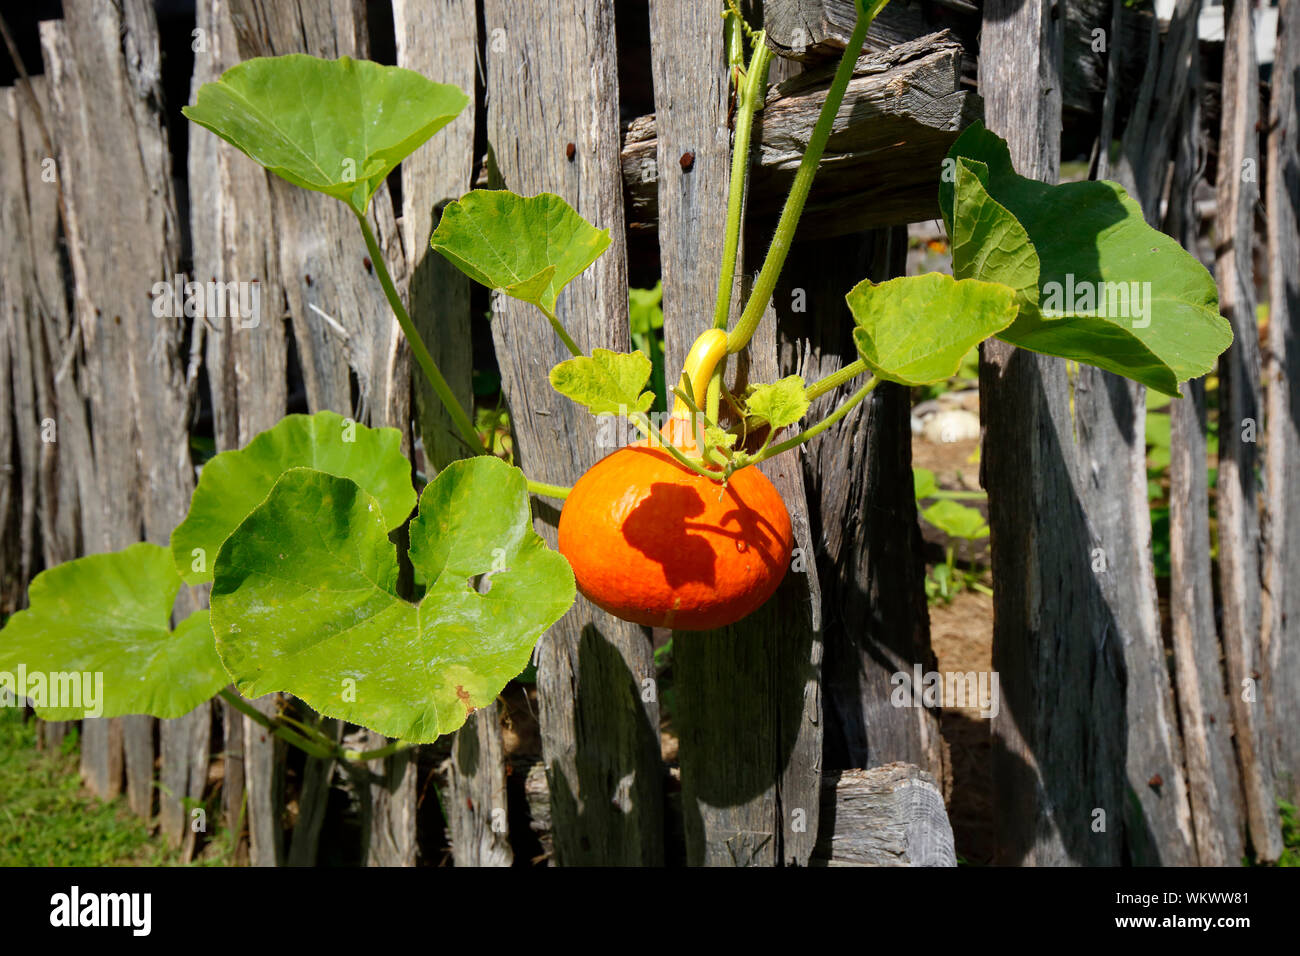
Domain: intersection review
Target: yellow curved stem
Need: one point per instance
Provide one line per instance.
(703, 358)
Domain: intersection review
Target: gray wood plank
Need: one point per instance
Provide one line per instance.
(1240, 409)
(122, 238)
(891, 815)
(900, 114)
(1213, 782)
(868, 543)
(1282, 457)
(432, 176)
(1058, 753)
(552, 80)
(478, 818)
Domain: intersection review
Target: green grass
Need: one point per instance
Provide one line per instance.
(47, 819)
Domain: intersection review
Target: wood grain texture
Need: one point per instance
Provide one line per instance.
(1240, 409)
(552, 80)
(123, 236)
(431, 177)
(1109, 441)
(1281, 532)
(478, 821)
(891, 815)
(1213, 781)
(1058, 755)
(900, 114)
(863, 515)
(439, 300)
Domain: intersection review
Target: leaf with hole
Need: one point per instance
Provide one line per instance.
(108, 616)
(306, 598)
(338, 127)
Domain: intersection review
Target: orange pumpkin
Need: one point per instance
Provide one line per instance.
(653, 542)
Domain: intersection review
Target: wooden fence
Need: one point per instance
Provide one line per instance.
(1116, 741)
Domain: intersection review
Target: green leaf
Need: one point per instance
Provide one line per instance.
(108, 615)
(334, 126)
(956, 521)
(607, 383)
(779, 404)
(923, 482)
(529, 248)
(305, 598)
(644, 310)
(233, 483)
(1095, 282)
(916, 329)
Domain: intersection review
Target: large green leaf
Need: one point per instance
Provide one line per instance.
(1095, 282)
(235, 482)
(916, 329)
(607, 383)
(528, 247)
(336, 126)
(305, 598)
(108, 616)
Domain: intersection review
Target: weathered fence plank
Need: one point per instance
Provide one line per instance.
(552, 80)
(891, 815)
(440, 307)
(900, 114)
(1213, 783)
(1240, 407)
(1110, 445)
(1058, 755)
(122, 238)
(476, 792)
(863, 513)
(1281, 531)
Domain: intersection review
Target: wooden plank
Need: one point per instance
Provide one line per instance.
(1109, 444)
(431, 177)
(440, 299)
(235, 239)
(552, 80)
(891, 815)
(313, 800)
(1213, 783)
(1058, 754)
(868, 541)
(901, 112)
(122, 238)
(478, 820)
(1240, 409)
(1281, 533)
(14, 362)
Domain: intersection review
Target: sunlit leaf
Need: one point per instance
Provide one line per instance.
(108, 616)
(235, 482)
(1095, 282)
(334, 126)
(956, 521)
(306, 598)
(607, 383)
(779, 404)
(916, 329)
(528, 247)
